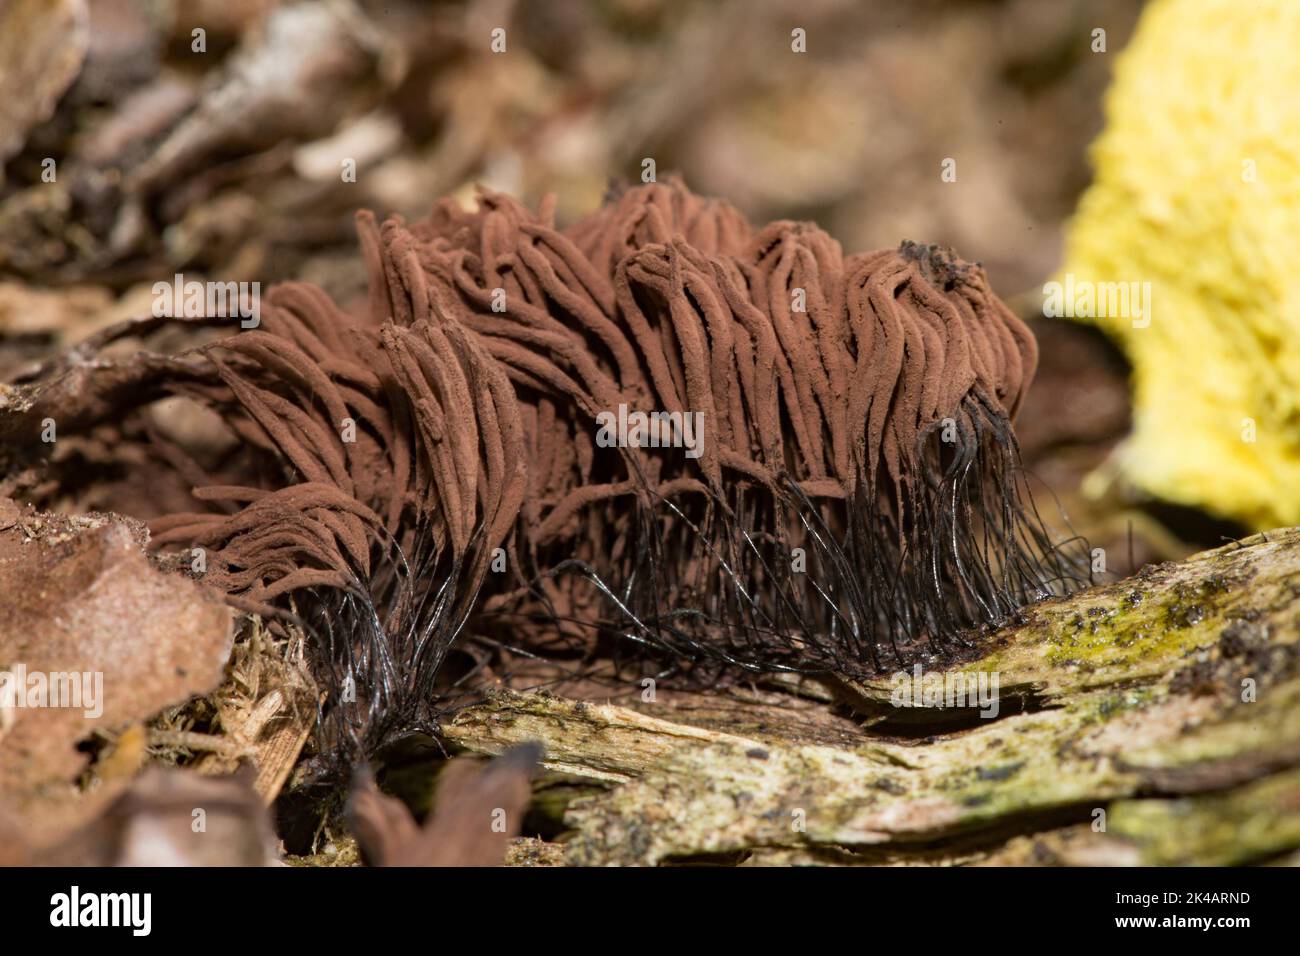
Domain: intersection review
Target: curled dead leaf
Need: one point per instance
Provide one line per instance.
(91, 636)
(478, 810)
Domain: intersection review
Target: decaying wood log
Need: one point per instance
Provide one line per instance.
(1152, 721)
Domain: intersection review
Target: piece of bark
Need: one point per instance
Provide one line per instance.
(592, 741)
(529, 851)
(42, 46)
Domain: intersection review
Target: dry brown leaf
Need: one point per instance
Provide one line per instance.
(479, 810)
(81, 599)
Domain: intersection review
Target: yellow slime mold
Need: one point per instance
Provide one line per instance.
(1197, 193)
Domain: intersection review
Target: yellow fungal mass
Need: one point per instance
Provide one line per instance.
(1197, 192)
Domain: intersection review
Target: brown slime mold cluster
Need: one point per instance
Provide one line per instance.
(853, 501)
